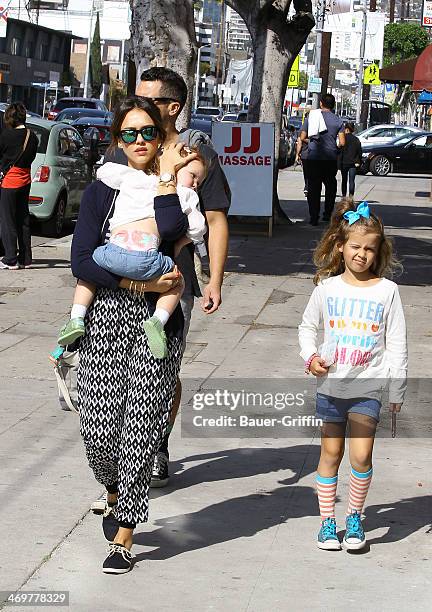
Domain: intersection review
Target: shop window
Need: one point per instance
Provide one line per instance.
(15, 46)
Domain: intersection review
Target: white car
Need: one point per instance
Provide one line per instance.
(385, 133)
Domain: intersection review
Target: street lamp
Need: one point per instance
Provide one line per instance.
(197, 75)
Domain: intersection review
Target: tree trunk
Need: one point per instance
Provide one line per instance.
(275, 42)
(163, 34)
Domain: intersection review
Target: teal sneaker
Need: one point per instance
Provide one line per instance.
(156, 337)
(73, 329)
(57, 352)
(354, 538)
(327, 536)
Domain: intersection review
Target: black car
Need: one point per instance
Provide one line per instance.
(68, 115)
(102, 124)
(411, 154)
(74, 103)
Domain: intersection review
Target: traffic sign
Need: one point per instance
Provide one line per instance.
(294, 79)
(371, 75)
(427, 14)
(294, 76)
(315, 84)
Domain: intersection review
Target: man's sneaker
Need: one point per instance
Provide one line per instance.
(119, 560)
(99, 505)
(73, 329)
(160, 476)
(327, 536)
(354, 538)
(110, 524)
(4, 266)
(156, 337)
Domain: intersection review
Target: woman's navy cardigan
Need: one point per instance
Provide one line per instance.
(92, 230)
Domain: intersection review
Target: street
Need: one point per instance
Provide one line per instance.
(236, 528)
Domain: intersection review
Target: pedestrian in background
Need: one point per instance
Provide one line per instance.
(352, 293)
(350, 159)
(322, 129)
(18, 148)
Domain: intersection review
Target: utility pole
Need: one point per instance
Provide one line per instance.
(366, 88)
(361, 62)
(321, 6)
(87, 70)
(392, 11)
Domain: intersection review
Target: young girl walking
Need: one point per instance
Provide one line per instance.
(364, 350)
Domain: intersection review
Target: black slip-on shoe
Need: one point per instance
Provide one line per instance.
(118, 561)
(110, 524)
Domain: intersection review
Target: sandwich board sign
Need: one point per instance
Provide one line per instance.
(246, 154)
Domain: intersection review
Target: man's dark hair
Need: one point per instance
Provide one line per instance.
(15, 115)
(173, 85)
(328, 101)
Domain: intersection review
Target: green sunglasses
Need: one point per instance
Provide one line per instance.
(148, 133)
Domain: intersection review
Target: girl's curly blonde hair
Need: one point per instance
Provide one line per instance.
(329, 260)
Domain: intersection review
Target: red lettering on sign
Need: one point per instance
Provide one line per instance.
(255, 141)
(236, 141)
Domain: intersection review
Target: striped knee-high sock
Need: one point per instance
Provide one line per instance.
(358, 489)
(326, 489)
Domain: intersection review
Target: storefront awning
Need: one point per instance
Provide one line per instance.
(423, 71)
(416, 72)
(402, 73)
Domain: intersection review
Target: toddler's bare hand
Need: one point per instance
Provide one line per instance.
(394, 407)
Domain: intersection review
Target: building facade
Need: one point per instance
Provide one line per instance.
(73, 16)
(31, 56)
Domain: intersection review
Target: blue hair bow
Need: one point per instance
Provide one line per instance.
(354, 215)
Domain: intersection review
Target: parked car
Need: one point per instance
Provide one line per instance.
(210, 111)
(59, 174)
(74, 103)
(296, 122)
(386, 133)
(411, 154)
(69, 115)
(229, 117)
(203, 125)
(101, 123)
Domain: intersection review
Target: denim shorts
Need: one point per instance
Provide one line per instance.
(137, 265)
(336, 409)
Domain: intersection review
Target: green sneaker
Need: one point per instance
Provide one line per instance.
(156, 337)
(73, 329)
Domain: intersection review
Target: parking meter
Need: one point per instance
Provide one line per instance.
(91, 149)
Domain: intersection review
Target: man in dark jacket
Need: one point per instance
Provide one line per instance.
(350, 159)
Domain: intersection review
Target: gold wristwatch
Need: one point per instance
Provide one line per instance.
(167, 179)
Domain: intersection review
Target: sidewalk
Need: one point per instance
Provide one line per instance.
(235, 529)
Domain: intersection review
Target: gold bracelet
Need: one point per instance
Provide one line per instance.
(130, 285)
(170, 184)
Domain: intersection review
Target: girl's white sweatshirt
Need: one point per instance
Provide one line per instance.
(136, 197)
(368, 325)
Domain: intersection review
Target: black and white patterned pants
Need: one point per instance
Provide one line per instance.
(124, 398)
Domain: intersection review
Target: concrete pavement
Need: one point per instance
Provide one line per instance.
(235, 529)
